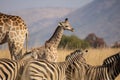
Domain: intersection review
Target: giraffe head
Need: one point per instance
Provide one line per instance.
(66, 25)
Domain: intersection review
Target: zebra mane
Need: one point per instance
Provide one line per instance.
(112, 59)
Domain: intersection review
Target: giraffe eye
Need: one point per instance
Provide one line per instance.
(66, 26)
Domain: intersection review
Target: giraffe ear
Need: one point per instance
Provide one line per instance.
(86, 50)
(60, 24)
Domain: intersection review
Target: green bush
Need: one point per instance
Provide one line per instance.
(73, 42)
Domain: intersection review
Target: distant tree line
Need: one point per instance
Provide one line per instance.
(73, 42)
(116, 44)
(95, 41)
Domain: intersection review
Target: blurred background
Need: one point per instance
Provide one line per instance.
(100, 18)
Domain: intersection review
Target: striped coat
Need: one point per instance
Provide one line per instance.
(9, 69)
(12, 69)
(83, 71)
(45, 70)
(113, 60)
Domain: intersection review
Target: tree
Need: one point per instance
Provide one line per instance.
(116, 44)
(73, 42)
(95, 41)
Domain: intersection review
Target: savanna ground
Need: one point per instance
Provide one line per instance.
(93, 56)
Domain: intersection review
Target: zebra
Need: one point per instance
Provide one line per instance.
(83, 71)
(73, 71)
(12, 69)
(112, 59)
(45, 70)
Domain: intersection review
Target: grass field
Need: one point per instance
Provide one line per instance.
(93, 56)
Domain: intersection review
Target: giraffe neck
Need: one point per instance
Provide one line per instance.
(56, 37)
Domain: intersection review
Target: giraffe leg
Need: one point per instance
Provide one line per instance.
(18, 47)
(15, 50)
(19, 54)
(11, 46)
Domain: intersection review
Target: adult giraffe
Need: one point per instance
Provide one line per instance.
(13, 30)
(49, 50)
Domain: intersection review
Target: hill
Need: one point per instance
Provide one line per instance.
(101, 17)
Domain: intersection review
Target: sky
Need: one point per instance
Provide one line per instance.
(13, 5)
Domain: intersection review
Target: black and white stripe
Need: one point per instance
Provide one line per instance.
(114, 62)
(76, 70)
(83, 71)
(112, 59)
(45, 70)
(8, 69)
(12, 69)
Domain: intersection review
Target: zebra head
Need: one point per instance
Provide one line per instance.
(75, 56)
(66, 25)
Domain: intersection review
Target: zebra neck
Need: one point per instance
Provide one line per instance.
(55, 38)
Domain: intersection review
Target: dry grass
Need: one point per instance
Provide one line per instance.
(93, 57)
(4, 54)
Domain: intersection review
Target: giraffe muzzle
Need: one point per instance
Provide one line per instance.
(72, 29)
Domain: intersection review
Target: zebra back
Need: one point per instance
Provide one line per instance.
(112, 59)
(44, 70)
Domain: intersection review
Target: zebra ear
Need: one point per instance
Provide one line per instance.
(86, 50)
